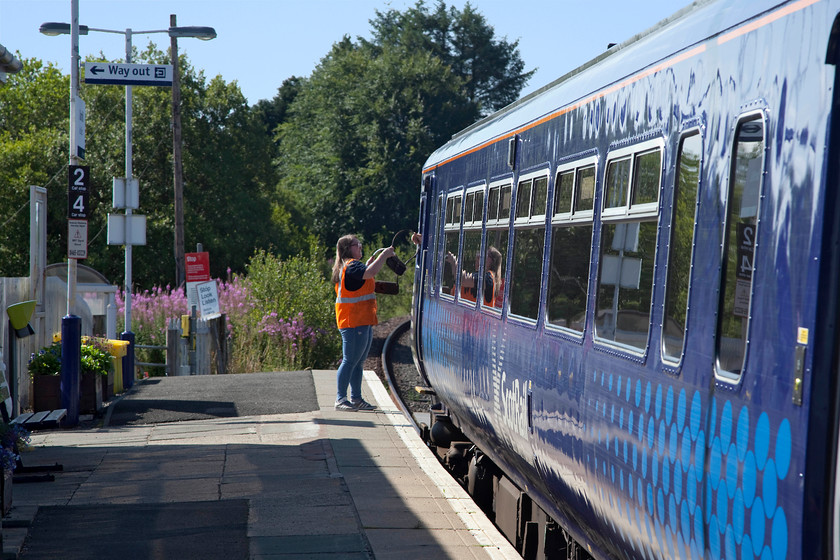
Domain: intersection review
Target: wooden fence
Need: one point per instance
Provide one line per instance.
(203, 351)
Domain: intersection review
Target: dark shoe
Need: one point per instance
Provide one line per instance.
(345, 406)
(362, 404)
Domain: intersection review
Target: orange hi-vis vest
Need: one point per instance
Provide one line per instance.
(355, 309)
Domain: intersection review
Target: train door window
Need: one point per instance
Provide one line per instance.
(628, 244)
(451, 235)
(434, 249)
(681, 246)
(571, 240)
(496, 245)
(470, 263)
(739, 246)
(528, 246)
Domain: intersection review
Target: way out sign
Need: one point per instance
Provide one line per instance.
(125, 74)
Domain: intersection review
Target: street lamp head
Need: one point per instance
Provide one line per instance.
(197, 32)
(53, 28)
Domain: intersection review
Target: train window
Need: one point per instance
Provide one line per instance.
(646, 180)
(585, 192)
(571, 240)
(563, 192)
(452, 230)
(496, 246)
(741, 230)
(504, 202)
(494, 266)
(628, 245)
(523, 199)
(469, 207)
(528, 246)
(468, 267)
(680, 249)
(493, 204)
(434, 248)
(617, 183)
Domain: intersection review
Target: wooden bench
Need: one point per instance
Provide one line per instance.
(47, 419)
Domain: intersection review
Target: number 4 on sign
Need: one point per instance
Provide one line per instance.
(77, 192)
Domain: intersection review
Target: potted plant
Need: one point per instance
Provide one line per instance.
(13, 437)
(45, 372)
(96, 365)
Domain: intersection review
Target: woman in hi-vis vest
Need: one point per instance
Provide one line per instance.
(355, 314)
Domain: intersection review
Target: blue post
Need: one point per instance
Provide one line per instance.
(128, 361)
(71, 365)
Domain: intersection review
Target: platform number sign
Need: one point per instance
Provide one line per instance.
(77, 192)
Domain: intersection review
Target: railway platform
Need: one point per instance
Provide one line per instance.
(256, 466)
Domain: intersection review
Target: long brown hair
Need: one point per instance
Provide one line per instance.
(494, 265)
(342, 251)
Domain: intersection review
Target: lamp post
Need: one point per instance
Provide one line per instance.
(204, 33)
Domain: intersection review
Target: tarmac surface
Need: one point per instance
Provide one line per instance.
(256, 466)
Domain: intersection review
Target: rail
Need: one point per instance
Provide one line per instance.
(148, 347)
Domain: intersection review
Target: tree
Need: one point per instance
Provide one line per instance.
(491, 70)
(228, 174)
(358, 132)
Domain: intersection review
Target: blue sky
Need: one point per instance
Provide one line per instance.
(260, 43)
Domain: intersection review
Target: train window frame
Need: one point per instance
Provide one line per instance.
(722, 374)
(673, 360)
(496, 192)
(534, 220)
(566, 220)
(452, 224)
(469, 227)
(628, 214)
(436, 238)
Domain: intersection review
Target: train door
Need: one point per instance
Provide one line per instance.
(423, 279)
(827, 338)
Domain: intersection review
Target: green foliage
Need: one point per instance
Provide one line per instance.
(490, 69)
(297, 289)
(94, 359)
(358, 133)
(47, 361)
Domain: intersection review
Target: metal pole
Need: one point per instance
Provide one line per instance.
(74, 127)
(71, 331)
(128, 176)
(177, 161)
(128, 334)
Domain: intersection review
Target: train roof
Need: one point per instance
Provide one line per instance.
(689, 26)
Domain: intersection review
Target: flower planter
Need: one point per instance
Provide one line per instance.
(6, 492)
(46, 392)
(90, 393)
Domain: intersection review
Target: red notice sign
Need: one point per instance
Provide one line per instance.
(198, 267)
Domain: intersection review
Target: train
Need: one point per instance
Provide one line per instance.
(625, 298)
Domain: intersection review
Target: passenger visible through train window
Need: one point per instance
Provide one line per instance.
(496, 242)
(628, 245)
(571, 241)
(528, 246)
(741, 231)
(452, 231)
(435, 250)
(681, 247)
(467, 269)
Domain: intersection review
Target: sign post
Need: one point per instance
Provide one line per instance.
(78, 198)
(197, 271)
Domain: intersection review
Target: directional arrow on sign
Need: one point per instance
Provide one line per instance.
(96, 70)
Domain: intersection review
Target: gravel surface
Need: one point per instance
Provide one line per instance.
(405, 374)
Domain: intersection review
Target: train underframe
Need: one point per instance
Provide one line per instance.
(534, 534)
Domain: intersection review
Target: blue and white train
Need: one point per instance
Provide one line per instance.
(650, 370)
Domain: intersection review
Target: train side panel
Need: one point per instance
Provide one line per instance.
(638, 454)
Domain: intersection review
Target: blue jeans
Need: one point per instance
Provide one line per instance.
(355, 345)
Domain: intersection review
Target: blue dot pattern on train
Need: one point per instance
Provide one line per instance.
(659, 448)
